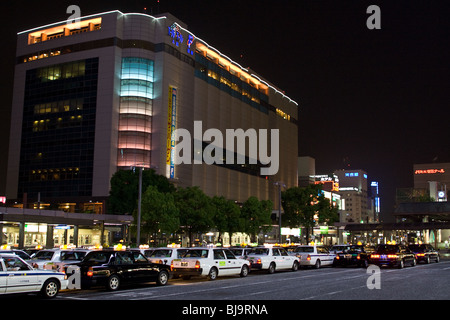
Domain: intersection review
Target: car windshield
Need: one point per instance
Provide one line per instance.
(263, 251)
(72, 255)
(304, 249)
(387, 248)
(196, 253)
(43, 255)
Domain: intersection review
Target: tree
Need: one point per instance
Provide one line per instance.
(226, 216)
(256, 215)
(159, 214)
(124, 191)
(303, 204)
(195, 209)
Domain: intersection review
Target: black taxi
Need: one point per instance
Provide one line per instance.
(392, 255)
(111, 268)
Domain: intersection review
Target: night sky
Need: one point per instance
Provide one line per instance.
(376, 100)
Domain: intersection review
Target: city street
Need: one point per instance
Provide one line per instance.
(422, 282)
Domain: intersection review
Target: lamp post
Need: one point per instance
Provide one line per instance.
(279, 184)
(138, 240)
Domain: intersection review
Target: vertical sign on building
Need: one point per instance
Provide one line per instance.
(171, 126)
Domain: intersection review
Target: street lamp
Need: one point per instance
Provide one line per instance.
(279, 184)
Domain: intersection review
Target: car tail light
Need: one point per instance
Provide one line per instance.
(90, 272)
(171, 266)
(392, 256)
(160, 262)
(374, 256)
(337, 257)
(420, 255)
(197, 264)
(308, 258)
(358, 257)
(258, 261)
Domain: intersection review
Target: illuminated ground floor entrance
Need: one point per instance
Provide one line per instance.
(25, 228)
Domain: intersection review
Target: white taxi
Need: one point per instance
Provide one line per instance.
(57, 258)
(209, 262)
(165, 255)
(314, 256)
(272, 258)
(17, 276)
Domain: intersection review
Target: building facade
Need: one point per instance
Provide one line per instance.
(112, 91)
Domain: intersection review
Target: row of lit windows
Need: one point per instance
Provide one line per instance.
(283, 114)
(54, 174)
(59, 123)
(59, 32)
(59, 106)
(62, 71)
(230, 84)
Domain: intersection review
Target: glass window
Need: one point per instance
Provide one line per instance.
(161, 254)
(283, 252)
(196, 253)
(229, 254)
(139, 258)
(218, 255)
(14, 264)
(275, 252)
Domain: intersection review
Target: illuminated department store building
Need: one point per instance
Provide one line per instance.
(105, 94)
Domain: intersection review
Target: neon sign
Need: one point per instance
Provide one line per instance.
(175, 34)
(189, 43)
(429, 171)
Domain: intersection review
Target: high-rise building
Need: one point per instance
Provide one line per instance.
(353, 190)
(107, 93)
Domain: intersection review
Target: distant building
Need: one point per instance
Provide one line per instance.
(353, 188)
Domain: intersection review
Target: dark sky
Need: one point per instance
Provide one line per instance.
(375, 99)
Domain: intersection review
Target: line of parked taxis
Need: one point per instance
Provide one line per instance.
(51, 270)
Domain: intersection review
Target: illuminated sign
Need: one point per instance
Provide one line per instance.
(171, 126)
(2, 199)
(429, 171)
(189, 43)
(175, 34)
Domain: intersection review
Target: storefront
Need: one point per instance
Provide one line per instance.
(23, 228)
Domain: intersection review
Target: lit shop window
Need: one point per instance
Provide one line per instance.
(59, 106)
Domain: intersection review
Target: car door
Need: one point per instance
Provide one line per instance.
(233, 265)
(325, 256)
(125, 265)
(20, 278)
(3, 277)
(285, 258)
(220, 262)
(143, 269)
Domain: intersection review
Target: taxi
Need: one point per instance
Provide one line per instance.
(272, 258)
(17, 276)
(210, 263)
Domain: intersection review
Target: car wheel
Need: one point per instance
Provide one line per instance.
(244, 271)
(437, 258)
(414, 262)
(113, 283)
(317, 264)
(50, 288)
(365, 264)
(212, 274)
(163, 278)
(427, 260)
(271, 268)
(295, 266)
(401, 264)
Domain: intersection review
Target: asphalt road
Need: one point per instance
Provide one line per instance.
(422, 282)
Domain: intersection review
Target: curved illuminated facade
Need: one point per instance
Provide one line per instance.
(111, 94)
